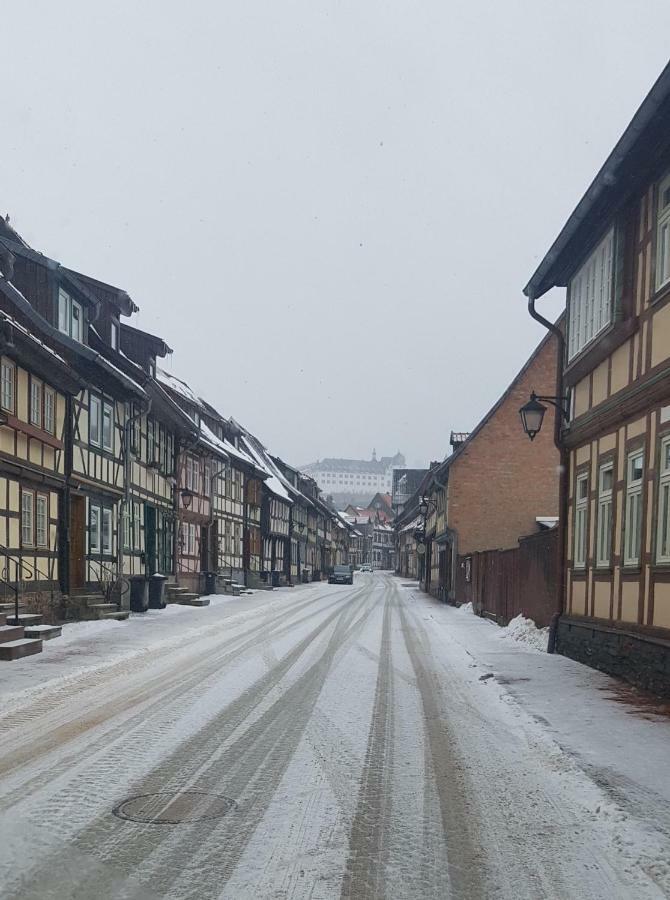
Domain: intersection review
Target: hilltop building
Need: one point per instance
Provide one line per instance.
(355, 480)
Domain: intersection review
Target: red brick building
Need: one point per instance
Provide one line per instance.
(494, 486)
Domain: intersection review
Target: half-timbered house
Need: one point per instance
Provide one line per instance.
(276, 503)
(613, 256)
(61, 305)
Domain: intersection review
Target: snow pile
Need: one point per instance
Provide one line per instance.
(466, 608)
(526, 632)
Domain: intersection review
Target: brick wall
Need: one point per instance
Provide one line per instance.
(502, 480)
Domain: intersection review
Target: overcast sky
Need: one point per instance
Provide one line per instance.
(327, 209)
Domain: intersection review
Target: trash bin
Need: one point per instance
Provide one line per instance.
(210, 583)
(276, 575)
(305, 576)
(157, 584)
(139, 593)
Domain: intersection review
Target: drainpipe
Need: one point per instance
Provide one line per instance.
(562, 478)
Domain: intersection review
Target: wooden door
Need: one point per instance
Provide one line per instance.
(77, 542)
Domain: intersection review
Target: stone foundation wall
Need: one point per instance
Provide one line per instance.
(641, 659)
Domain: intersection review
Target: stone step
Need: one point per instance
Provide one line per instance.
(120, 615)
(10, 633)
(25, 619)
(194, 601)
(101, 607)
(17, 649)
(43, 632)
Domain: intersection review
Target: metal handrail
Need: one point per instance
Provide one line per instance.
(114, 581)
(32, 572)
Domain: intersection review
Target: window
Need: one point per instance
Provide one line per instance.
(70, 316)
(190, 479)
(27, 518)
(94, 421)
(663, 234)
(41, 521)
(114, 335)
(49, 410)
(106, 531)
(93, 529)
(663, 533)
(138, 521)
(35, 402)
(151, 441)
(590, 304)
(581, 511)
(125, 526)
(108, 427)
(8, 382)
(633, 521)
(604, 539)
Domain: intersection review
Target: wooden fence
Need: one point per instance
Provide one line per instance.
(503, 583)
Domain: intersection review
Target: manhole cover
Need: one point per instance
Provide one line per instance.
(173, 809)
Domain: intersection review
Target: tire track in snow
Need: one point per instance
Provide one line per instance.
(252, 763)
(464, 859)
(158, 690)
(364, 878)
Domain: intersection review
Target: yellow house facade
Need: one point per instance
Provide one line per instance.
(613, 257)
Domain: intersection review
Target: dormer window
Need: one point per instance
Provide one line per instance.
(70, 316)
(663, 234)
(590, 298)
(114, 335)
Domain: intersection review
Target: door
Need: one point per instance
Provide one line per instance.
(204, 549)
(150, 538)
(77, 561)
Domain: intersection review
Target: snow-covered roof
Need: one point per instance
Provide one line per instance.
(177, 385)
(547, 521)
(411, 526)
(221, 445)
(13, 322)
(263, 461)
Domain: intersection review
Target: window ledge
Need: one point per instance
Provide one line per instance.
(660, 294)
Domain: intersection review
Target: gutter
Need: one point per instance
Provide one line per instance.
(563, 469)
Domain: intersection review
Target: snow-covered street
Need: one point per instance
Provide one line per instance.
(324, 742)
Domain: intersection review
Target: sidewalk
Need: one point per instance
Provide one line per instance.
(617, 736)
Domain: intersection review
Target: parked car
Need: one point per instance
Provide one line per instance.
(365, 568)
(341, 575)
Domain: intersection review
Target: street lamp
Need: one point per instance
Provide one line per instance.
(532, 413)
(186, 495)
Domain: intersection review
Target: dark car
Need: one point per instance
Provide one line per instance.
(341, 575)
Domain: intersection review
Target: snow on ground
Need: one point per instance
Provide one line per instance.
(519, 629)
(375, 743)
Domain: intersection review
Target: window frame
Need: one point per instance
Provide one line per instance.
(27, 522)
(7, 365)
(662, 222)
(36, 411)
(591, 296)
(107, 410)
(604, 507)
(42, 500)
(634, 500)
(663, 520)
(49, 422)
(580, 522)
(94, 401)
(66, 316)
(97, 531)
(107, 547)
